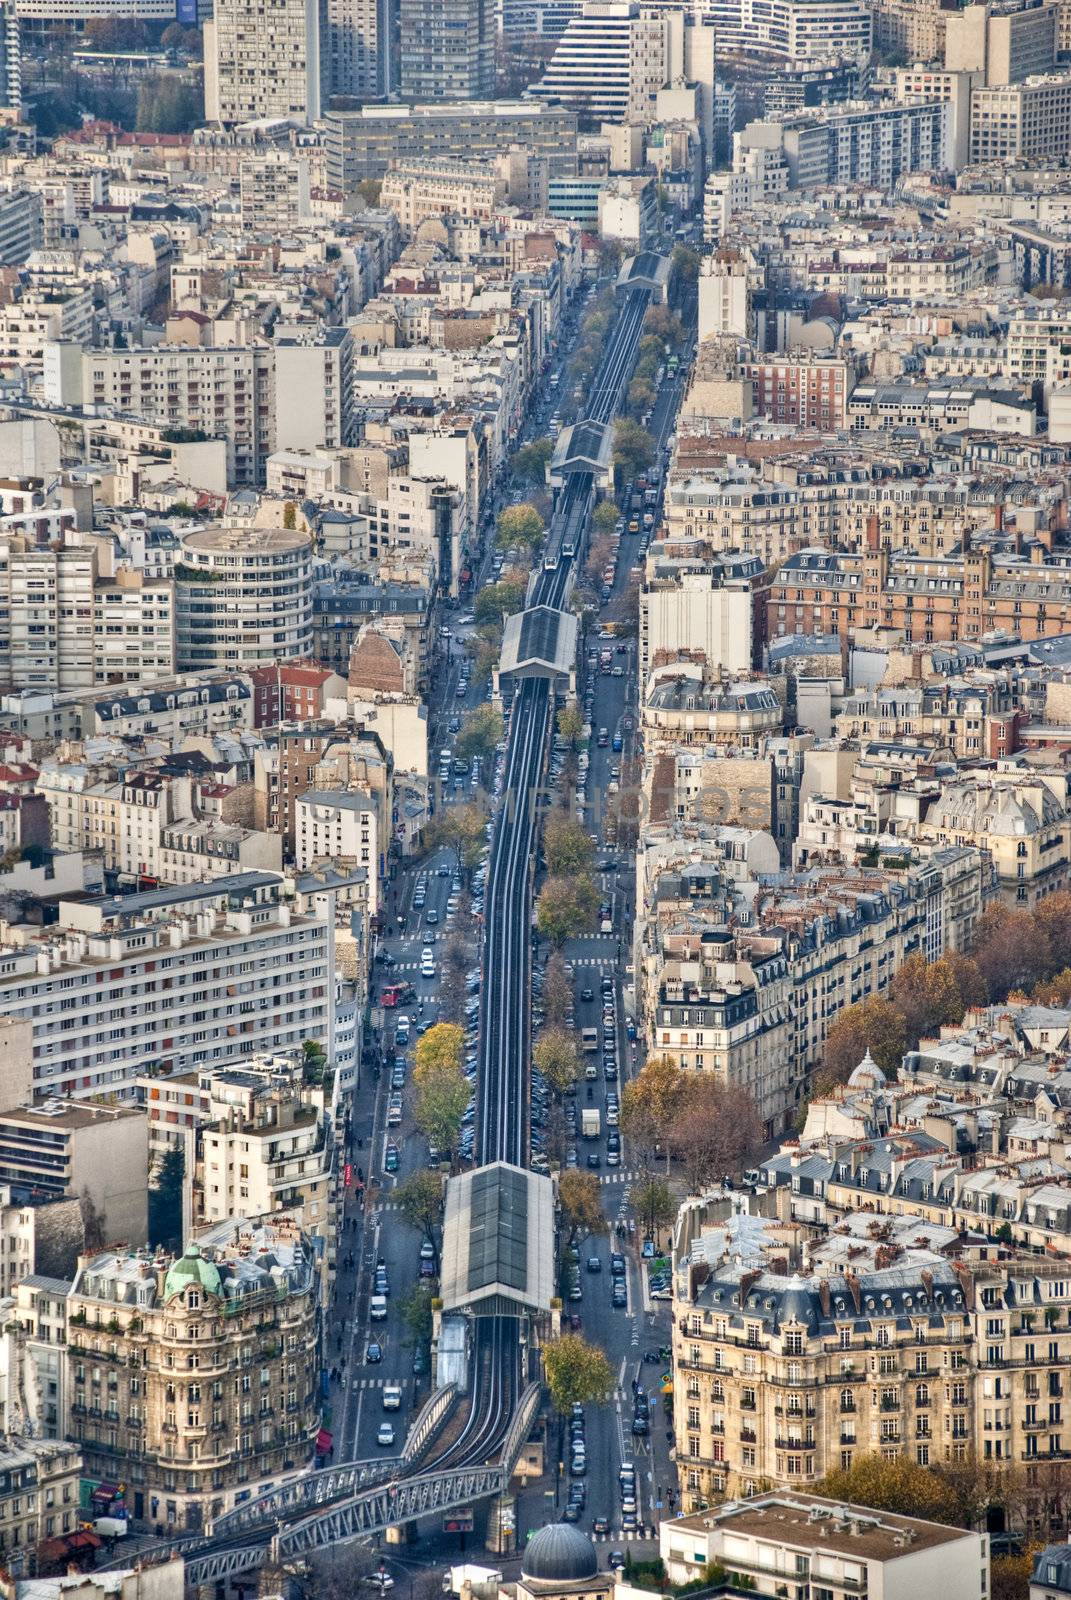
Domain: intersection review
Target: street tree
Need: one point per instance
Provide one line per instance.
(634, 449)
(441, 1097)
(497, 601)
(874, 1024)
(664, 323)
(716, 1131)
(368, 191)
(556, 1056)
(931, 994)
(479, 733)
(604, 517)
(416, 1313)
(458, 828)
(1053, 916)
(571, 723)
(520, 525)
(420, 1201)
(684, 266)
(580, 1198)
(641, 396)
(567, 846)
(899, 1485)
(1012, 950)
(653, 1205)
(530, 462)
(651, 1102)
(484, 646)
(600, 553)
(566, 908)
(557, 990)
(442, 1048)
(578, 1373)
(1054, 991)
(454, 961)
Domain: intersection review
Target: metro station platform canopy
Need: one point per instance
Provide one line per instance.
(498, 1242)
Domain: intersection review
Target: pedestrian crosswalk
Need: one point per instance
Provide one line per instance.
(596, 961)
(622, 1175)
(378, 1383)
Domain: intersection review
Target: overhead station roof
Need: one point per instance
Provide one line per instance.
(498, 1242)
(648, 270)
(539, 643)
(584, 447)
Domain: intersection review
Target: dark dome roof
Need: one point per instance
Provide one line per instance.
(559, 1553)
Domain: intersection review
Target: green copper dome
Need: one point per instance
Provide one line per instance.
(191, 1267)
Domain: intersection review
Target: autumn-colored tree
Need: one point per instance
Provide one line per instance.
(641, 396)
(580, 1198)
(556, 1056)
(567, 845)
(520, 525)
(1012, 950)
(932, 994)
(566, 908)
(368, 191)
(455, 958)
(899, 1485)
(1053, 917)
(651, 1102)
(684, 265)
(664, 323)
(716, 1131)
(571, 723)
(577, 1372)
(440, 1098)
(600, 553)
(1054, 991)
(1009, 1577)
(441, 1048)
(484, 646)
(875, 1025)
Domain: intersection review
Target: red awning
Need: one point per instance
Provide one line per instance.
(85, 1539)
(323, 1442)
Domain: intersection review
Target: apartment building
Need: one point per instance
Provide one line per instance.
(265, 1147)
(804, 389)
(39, 1497)
(1003, 44)
(1023, 824)
(795, 31)
(614, 57)
(774, 1540)
(126, 987)
(275, 192)
(927, 599)
(781, 1376)
(340, 825)
(754, 1005)
(263, 62)
(40, 1351)
(1028, 121)
(243, 597)
(416, 191)
(446, 49)
(314, 390)
(99, 1153)
(222, 392)
(364, 143)
(200, 1373)
(870, 145)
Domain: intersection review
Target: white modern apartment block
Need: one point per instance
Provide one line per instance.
(226, 392)
(612, 60)
(314, 390)
(793, 30)
(40, 16)
(696, 613)
(262, 61)
(243, 597)
(66, 625)
(275, 191)
(338, 825)
(136, 985)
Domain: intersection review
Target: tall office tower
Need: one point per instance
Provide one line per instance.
(359, 48)
(262, 59)
(447, 49)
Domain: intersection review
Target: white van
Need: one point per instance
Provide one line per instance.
(392, 1396)
(377, 1308)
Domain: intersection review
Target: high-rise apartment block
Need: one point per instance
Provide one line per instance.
(262, 59)
(446, 49)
